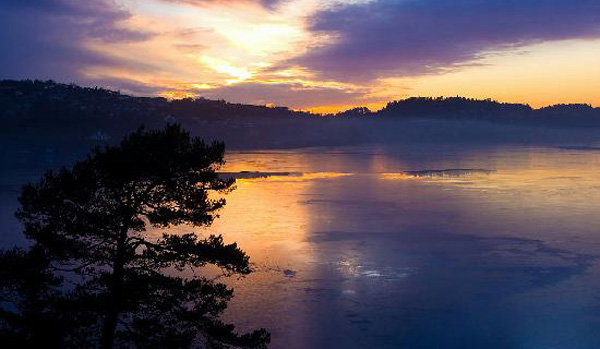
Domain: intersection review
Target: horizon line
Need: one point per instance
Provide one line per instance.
(335, 109)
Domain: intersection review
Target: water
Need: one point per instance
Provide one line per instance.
(350, 252)
(506, 260)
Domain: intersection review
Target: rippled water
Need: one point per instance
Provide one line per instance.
(352, 251)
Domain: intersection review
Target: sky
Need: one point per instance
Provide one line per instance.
(323, 56)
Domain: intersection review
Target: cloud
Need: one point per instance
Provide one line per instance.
(45, 38)
(415, 37)
(294, 95)
(265, 3)
(190, 48)
(127, 86)
(300, 53)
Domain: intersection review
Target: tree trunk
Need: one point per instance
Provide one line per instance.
(116, 295)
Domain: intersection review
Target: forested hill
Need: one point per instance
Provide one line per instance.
(459, 108)
(46, 103)
(50, 104)
(45, 117)
(39, 116)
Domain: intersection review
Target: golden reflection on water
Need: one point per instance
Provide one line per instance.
(551, 190)
(395, 176)
(292, 176)
(267, 223)
(336, 220)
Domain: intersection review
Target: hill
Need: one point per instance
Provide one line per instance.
(40, 118)
(460, 108)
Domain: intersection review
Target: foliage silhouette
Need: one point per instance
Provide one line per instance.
(96, 274)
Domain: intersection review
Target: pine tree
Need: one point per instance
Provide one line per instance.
(119, 285)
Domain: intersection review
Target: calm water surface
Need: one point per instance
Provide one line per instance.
(351, 253)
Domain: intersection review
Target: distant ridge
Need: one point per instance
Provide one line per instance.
(41, 119)
(22, 97)
(490, 110)
(100, 114)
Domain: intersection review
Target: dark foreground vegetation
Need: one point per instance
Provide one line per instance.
(95, 277)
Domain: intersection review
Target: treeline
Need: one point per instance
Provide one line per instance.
(454, 107)
(41, 117)
(49, 103)
(460, 108)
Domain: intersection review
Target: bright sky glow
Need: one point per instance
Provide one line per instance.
(324, 55)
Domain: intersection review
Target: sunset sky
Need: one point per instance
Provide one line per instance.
(307, 54)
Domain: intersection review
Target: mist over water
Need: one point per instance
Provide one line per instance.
(351, 250)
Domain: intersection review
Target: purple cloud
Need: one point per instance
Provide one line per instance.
(413, 37)
(265, 3)
(42, 38)
(292, 95)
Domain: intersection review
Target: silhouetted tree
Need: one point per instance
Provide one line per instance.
(28, 284)
(101, 275)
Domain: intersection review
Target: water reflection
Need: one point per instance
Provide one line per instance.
(357, 258)
(353, 251)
